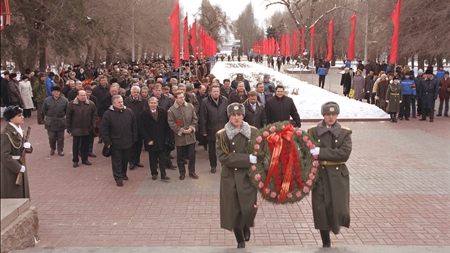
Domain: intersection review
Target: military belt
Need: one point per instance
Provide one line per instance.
(330, 163)
(395, 94)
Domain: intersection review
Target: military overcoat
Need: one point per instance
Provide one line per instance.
(12, 147)
(237, 194)
(331, 194)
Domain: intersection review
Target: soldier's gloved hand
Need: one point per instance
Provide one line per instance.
(387, 101)
(253, 159)
(22, 169)
(315, 151)
(27, 145)
(400, 101)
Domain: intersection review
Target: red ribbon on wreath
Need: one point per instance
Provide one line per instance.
(275, 143)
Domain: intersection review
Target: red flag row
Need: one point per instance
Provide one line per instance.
(207, 45)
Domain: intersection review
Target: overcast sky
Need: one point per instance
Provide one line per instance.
(232, 7)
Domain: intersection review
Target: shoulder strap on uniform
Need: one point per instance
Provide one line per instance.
(311, 129)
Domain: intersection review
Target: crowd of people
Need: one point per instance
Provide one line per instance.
(399, 92)
(148, 106)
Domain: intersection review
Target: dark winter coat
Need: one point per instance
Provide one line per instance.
(281, 109)
(236, 98)
(4, 90)
(12, 145)
(154, 130)
(237, 193)
(429, 90)
(224, 93)
(255, 118)
(331, 194)
(100, 92)
(104, 104)
(119, 128)
(54, 111)
(213, 117)
(14, 93)
(444, 88)
(81, 118)
(346, 82)
(358, 86)
(246, 84)
(137, 106)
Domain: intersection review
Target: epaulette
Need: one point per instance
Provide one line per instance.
(345, 128)
(221, 131)
(254, 128)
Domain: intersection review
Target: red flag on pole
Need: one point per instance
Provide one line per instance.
(294, 42)
(194, 38)
(186, 40)
(288, 45)
(312, 30)
(302, 48)
(396, 21)
(351, 42)
(330, 40)
(175, 23)
(7, 13)
(283, 45)
(276, 47)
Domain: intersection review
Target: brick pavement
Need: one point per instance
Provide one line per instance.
(400, 176)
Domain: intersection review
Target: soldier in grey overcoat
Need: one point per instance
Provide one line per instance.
(12, 145)
(237, 194)
(394, 98)
(331, 194)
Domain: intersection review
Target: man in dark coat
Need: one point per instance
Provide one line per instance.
(281, 108)
(255, 113)
(136, 104)
(15, 97)
(105, 102)
(213, 116)
(237, 194)
(154, 129)
(101, 90)
(54, 110)
(119, 131)
(444, 94)
(81, 119)
(73, 93)
(12, 145)
(428, 92)
(346, 81)
(239, 95)
(4, 89)
(331, 195)
(240, 78)
(226, 89)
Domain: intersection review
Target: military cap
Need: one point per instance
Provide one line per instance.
(266, 76)
(235, 108)
(395, 78)
(11, 112)
(429, 71)
(330, 108)
(240, 75)
(55, 88)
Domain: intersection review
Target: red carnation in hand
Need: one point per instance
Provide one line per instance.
(178, 122)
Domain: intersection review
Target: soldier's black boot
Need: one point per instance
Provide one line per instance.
(246, 231)
(325, 235)
(239, 237)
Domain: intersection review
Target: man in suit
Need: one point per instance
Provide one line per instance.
(154, 129)
(262, 95)
(255, 114)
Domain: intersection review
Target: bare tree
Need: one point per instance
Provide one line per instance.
(247, 30)
(213, 20)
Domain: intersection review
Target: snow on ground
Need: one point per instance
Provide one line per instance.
(310, 97)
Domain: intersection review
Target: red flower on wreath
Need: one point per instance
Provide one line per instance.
(178, 123)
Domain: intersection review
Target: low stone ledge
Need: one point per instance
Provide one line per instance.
(20, 225)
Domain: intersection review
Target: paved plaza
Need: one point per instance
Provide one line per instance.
(400, 188)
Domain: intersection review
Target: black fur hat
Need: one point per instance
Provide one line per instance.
(11, 112)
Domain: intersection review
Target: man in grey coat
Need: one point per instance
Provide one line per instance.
(54, 109)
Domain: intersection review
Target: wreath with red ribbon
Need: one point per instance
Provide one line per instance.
(286, 171)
